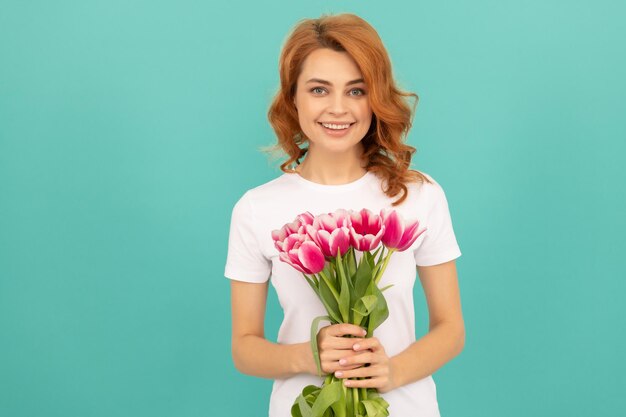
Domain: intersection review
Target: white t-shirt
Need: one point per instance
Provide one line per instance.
(252, 257)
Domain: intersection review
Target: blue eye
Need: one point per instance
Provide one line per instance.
(313, 90)
(360, 90)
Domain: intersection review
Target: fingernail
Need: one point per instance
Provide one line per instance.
(342, 361)
(356, 347)
(338, 373)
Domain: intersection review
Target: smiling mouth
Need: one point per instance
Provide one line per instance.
(336, 126)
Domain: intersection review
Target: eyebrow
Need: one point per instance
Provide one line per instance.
(317, 80)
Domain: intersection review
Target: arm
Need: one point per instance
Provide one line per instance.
(423, 357)
(446, 336)
(252, 353)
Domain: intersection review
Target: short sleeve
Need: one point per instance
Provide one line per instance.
(439, 244)
(245, 261)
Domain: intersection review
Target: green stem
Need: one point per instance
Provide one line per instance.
(342, 272)
(329, 379)
(380, 248)
(330, 285)
(382, 252)
(344, 307)
(313, 282)
(350, 412)
(354, 259)
(380, 273)
(377, 263)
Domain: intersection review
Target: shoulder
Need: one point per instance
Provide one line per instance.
(430, 187)
(264, 191)
(427, 196)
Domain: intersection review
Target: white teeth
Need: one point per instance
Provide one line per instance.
(332, 126)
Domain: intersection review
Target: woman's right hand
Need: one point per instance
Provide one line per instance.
(333, 346)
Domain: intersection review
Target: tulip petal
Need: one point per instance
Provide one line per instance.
(287, 259)
(394, 229)
(323, 240)
(418, 234)
(410, 235)
(311, 257)
(339, 241)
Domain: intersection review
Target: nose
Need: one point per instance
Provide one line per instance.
(337, 104)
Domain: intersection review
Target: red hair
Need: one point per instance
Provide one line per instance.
(386, 154)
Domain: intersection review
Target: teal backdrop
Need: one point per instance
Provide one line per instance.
(128, 129)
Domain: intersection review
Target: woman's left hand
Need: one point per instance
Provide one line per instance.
(380, 369)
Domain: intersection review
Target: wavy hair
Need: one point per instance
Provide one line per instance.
(386, 153)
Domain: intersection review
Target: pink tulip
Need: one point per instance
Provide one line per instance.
(304, 256)
(366, 229)
(331, 232)
(298, 226)
(296, 248)
(398, 235)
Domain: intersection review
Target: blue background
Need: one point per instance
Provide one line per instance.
(128, 129)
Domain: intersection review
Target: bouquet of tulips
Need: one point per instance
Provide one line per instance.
(324, 249)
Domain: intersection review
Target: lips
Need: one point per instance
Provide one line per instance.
(349, 124)
(337, 132)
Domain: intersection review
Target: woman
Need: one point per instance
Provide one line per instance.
(338, 97)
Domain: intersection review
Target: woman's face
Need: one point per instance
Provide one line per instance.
(331, 98)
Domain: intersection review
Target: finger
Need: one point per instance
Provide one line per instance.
(370, 343)
(345, 342)
(337, 355)
(361, 358)
(338, 343)
(362, 372)
(365, 383)
(332, 367)
(344, 329)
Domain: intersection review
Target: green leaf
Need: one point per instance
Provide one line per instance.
(328, 269)
(312, 282)
(374, 408)
(365, 305)
(344, 294)
(372, 393)
(328, 395)
(329, 301)
(387, 287)
(381, 311)
(302, 406)
(373, 255)
(349, 401)
(361, 408)
(295, 408)
(371, 262)
(351, 257)
(363, 279)
(382, 253)
(339, 407)
(382, 402)
(305, 408)
(314, 347)
(310, 389)
(376, 404)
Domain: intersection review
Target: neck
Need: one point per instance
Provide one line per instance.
(331, 169)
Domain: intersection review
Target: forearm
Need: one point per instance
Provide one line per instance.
(257, 356)
(424, 356)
